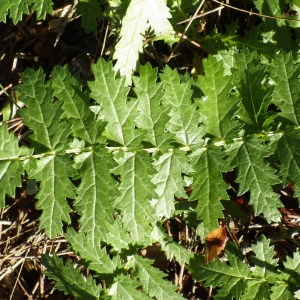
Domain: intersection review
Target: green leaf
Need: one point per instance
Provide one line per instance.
(288, 153)
(140, 16)
(265, 264)
(219, 104)
(41, 114)
(289, 279)
(95, 257)
(70, 280)
(172, 249)
(185, 118)
(111, 94)
(126, 288)
(256, 176)
(208, 186)
(285, 73)
(90, 11)
(152, 115)
(76, 105)
(168, 180)
(249, 78)
(231, 276)
(136, 191)
(17, 8)
(96, 192)
(54, 172)
(152, 280)
(11, 167)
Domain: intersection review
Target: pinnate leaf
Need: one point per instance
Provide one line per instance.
(185, 119)
(208, 186)
(152, 280)
(256, 176)
(11, 167)
(136, 191)
(219, 104)
(70, 280)
(286, 72)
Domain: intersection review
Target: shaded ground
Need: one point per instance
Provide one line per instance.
(59, 41)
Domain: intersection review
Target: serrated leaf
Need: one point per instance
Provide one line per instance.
(96, 192)
(90, 11)
(70, 280)
(41, 114)
(17, 8)
(208, 186)
(76, 105)
(111, 94)
(286, 93)
(140, 15)
(171, 248)
(264, 262)
(54, 172)
(255, 95)
(256, 176)
(219, 104)
(231, 277)
(126, 288)
(288, 152)
(169, 182)
(136, 191)
(95, 257)
(185, 118)
(152, 115)
(152, 280)
(11, 167)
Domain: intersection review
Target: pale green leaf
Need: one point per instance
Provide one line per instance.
(208, 186)
(152, 280)
(136, 191)
(140, 16)
(256, 176)
(186, 121)
(70, 280)
(219, 105)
